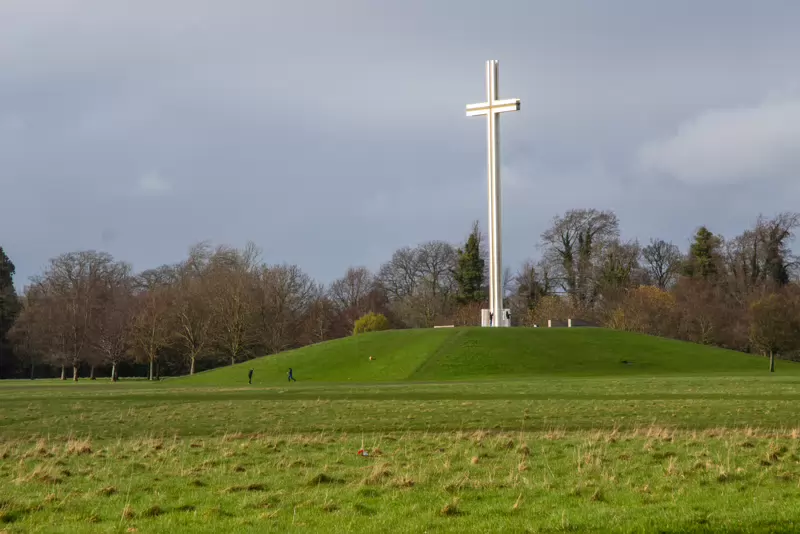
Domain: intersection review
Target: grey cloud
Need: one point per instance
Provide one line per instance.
(725, 146)
(332, 133)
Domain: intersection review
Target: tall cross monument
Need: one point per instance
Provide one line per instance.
(492, 108)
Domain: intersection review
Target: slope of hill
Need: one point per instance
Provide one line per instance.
(480, 353)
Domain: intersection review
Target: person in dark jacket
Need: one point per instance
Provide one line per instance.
(250, 377)
(291, 378)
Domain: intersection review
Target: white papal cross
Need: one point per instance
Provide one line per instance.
(492, 109)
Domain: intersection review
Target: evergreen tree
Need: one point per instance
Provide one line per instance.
(704, 255)
(470, 272)
(776, 269)
(9, 307)
(775, 235)
(530, 286)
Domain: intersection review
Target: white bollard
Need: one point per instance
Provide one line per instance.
(569, 323)
(549, 323)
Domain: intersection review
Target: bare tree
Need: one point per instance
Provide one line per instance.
(47, 317)
(423, 308)
(707, 315)
(319, 319)
(663, 261)
(28, 334)
(112, 337)
(400, 276)
(775, 326)
(420, 282)
(232, 279)
(352, 289)
(151, 331)
(76, 281)
(284, 294)
(351, 293)
(197, 263)
(109, 333)
(437, 263)
(573, 247)
(191, 312)
(759, 259)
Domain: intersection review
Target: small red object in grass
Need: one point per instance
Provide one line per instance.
(362, 452)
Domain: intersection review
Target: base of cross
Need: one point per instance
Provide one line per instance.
(488, 320)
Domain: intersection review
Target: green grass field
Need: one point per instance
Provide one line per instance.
(450, 354)
(468, 430)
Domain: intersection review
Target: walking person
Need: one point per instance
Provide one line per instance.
(250, 377)
(291, 378)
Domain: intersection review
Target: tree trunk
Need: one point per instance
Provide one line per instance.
(33, 366)
(233, 360)
(150, 375)
(158, 370)
(74, 373)
(191, 370)
(63, 373)
(771, 362)
(114, 371)
(91, 373)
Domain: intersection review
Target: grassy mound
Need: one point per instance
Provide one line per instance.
(480, 353)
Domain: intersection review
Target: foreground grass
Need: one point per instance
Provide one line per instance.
(649, 479)
(625, 454)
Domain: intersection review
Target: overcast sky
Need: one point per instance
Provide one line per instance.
(333, 132)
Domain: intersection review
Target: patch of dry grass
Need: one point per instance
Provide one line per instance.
(78, 446)
(379, 472)
(451, 508)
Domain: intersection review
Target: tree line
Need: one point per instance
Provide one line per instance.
(89, 314)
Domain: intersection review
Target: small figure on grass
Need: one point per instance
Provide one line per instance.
(250, 376)
(291, 378)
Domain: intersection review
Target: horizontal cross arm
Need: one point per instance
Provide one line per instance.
(497, 106)
(500, 106)
(478, 109)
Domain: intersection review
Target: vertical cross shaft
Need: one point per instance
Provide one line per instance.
(492, 109)
(493, 158)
